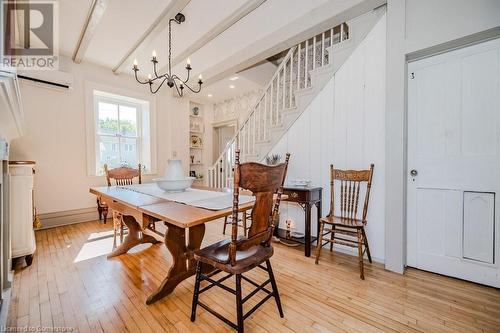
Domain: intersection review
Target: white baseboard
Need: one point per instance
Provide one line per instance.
(56, 219)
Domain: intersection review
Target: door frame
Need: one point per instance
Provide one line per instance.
(215, 135)
(409, 58)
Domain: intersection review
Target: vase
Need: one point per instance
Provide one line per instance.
(174, 170)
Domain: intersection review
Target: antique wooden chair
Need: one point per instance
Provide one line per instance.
(121, 176)
(348, 224)
(238, 255)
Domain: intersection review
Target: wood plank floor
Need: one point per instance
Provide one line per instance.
(72, 284)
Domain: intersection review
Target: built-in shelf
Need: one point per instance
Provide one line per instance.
(196, 131)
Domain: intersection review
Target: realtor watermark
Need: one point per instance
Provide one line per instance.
(38, 328)
(30, 34)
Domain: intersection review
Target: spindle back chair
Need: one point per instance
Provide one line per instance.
(349, 222)
(121, 176)
(241, 254)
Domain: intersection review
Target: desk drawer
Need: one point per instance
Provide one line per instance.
(296, 196)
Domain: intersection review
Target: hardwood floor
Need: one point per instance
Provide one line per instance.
(72, 284)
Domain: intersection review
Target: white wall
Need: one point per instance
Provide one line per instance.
(412, 26)
(344, 126)
(55, 135)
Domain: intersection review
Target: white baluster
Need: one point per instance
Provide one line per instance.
(323, 49)
(277, 98)
(314, 53)
(284, 88)
(298, 67)
(265, 115)
(291, 80)
(306, 65)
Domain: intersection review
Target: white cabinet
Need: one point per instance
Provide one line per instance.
(21, 210)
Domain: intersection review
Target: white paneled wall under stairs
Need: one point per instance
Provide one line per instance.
(301, 75)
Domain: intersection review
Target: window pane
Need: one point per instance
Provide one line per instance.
(109, 152)
(108, 118)
(130, 156)
(128, 120)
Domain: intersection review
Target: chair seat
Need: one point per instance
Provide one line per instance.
(343, 221)
(217, 255)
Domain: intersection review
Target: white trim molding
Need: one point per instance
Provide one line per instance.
(90, 137)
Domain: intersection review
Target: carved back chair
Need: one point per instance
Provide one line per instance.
(347, 226)
(240, 254)
(121, 176)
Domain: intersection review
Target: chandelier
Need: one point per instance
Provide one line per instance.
(172, 79)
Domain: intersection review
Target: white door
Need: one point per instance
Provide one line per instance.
(454, 163)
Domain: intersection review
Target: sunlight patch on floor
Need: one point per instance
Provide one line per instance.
(95, 247)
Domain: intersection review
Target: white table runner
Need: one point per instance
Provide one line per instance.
(212, 200)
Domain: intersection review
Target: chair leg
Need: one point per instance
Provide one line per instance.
(99, 210)
(244, 217)
(225, 224)
(360, 255)
(196, 291)
(367, 247)
(332, 236)
(105, 214)
(320, 241)
(121, 230)
(239, 304)
(275, 288)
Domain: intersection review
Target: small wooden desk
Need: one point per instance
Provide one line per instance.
(139, 210)
(306, 197)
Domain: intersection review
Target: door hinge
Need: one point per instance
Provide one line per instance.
(412, 75)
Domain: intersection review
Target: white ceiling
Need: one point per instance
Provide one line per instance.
(265, 29)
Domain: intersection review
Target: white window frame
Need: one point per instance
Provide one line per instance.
(146, 108)
(139, 134)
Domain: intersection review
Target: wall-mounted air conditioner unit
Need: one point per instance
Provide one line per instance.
(53, 79)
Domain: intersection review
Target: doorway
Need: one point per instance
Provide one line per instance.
(453, 181)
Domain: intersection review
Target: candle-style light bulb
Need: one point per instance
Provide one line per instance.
(200, 77)
(149, 77)
(200, 80)
(154, 54)
(135, 62)
(188, 62)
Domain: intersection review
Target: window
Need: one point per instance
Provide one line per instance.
(122, 132)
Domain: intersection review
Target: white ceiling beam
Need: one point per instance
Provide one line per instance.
(156, 28)
(238, 14)
(94, 16)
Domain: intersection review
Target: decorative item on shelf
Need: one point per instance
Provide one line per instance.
(195, 127)
(192, 173)
(172, 79)
(192, 159)
(174, 179)
(199, 176)
(196, 111)
(196, 141)
(273, 159)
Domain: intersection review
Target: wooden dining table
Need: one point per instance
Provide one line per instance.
(139, 210)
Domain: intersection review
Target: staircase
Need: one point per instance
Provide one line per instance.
(301, 75)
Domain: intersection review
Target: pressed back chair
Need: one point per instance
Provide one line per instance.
(240, 254)
(121, 176)
(348, 227)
